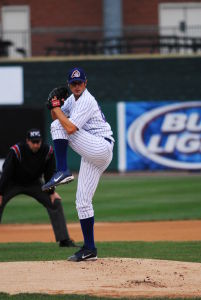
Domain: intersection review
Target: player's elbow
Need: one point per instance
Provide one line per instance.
(71, 129)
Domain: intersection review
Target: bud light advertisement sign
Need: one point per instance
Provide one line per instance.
(163, 135)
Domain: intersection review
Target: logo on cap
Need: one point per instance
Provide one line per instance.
(35, 134)
(75, 74)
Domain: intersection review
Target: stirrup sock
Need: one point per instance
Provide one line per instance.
(87, 226)
(60, 147)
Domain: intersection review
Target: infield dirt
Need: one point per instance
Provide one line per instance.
(133, 231)
(111, 277)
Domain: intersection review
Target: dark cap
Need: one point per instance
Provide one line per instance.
(76, 74)
(34, 134)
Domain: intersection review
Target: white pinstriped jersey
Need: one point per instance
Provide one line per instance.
(85, 113)
(96, 152)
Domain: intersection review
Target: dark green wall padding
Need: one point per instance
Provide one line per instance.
(113, 80)
(118, 79)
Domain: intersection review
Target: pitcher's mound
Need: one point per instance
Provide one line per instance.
(111, 277)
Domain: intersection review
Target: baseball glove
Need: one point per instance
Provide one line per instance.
(57, 97)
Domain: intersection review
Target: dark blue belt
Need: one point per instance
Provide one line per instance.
(110, 141)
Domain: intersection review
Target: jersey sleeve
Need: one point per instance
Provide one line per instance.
(82, 112)
(66, 107)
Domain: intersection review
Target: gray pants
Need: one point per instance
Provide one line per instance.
(55, 210)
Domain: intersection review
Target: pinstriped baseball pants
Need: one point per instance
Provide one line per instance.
(96, 154)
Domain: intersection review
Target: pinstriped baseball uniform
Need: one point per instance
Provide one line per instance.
(89, 142)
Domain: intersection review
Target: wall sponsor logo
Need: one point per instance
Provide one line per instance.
(169, 135)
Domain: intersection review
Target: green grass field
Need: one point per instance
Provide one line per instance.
(118, 199)
(121, 199)
(178, 251)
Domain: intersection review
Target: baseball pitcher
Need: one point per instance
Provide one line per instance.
(79, 123)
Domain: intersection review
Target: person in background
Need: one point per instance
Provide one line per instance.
(27, 166)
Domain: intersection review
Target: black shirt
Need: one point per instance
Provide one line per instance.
(22, 166)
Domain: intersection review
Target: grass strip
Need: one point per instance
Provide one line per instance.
(121, 199)
(177, 251)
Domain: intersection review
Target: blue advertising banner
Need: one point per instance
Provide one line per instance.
(159, 135)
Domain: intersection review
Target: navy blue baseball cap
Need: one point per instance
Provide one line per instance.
(34, 135)
(76, 74)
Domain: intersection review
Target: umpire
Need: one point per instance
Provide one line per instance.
(26, 166)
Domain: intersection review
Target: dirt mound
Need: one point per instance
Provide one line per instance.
(106, 277)
(114, 277)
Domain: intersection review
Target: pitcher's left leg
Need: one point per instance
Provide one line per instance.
(88, 179)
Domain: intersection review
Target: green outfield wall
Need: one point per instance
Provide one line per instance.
(128, 79)
(110, 79)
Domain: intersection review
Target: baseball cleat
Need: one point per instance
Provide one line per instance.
(84, 254)
(60, 177)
